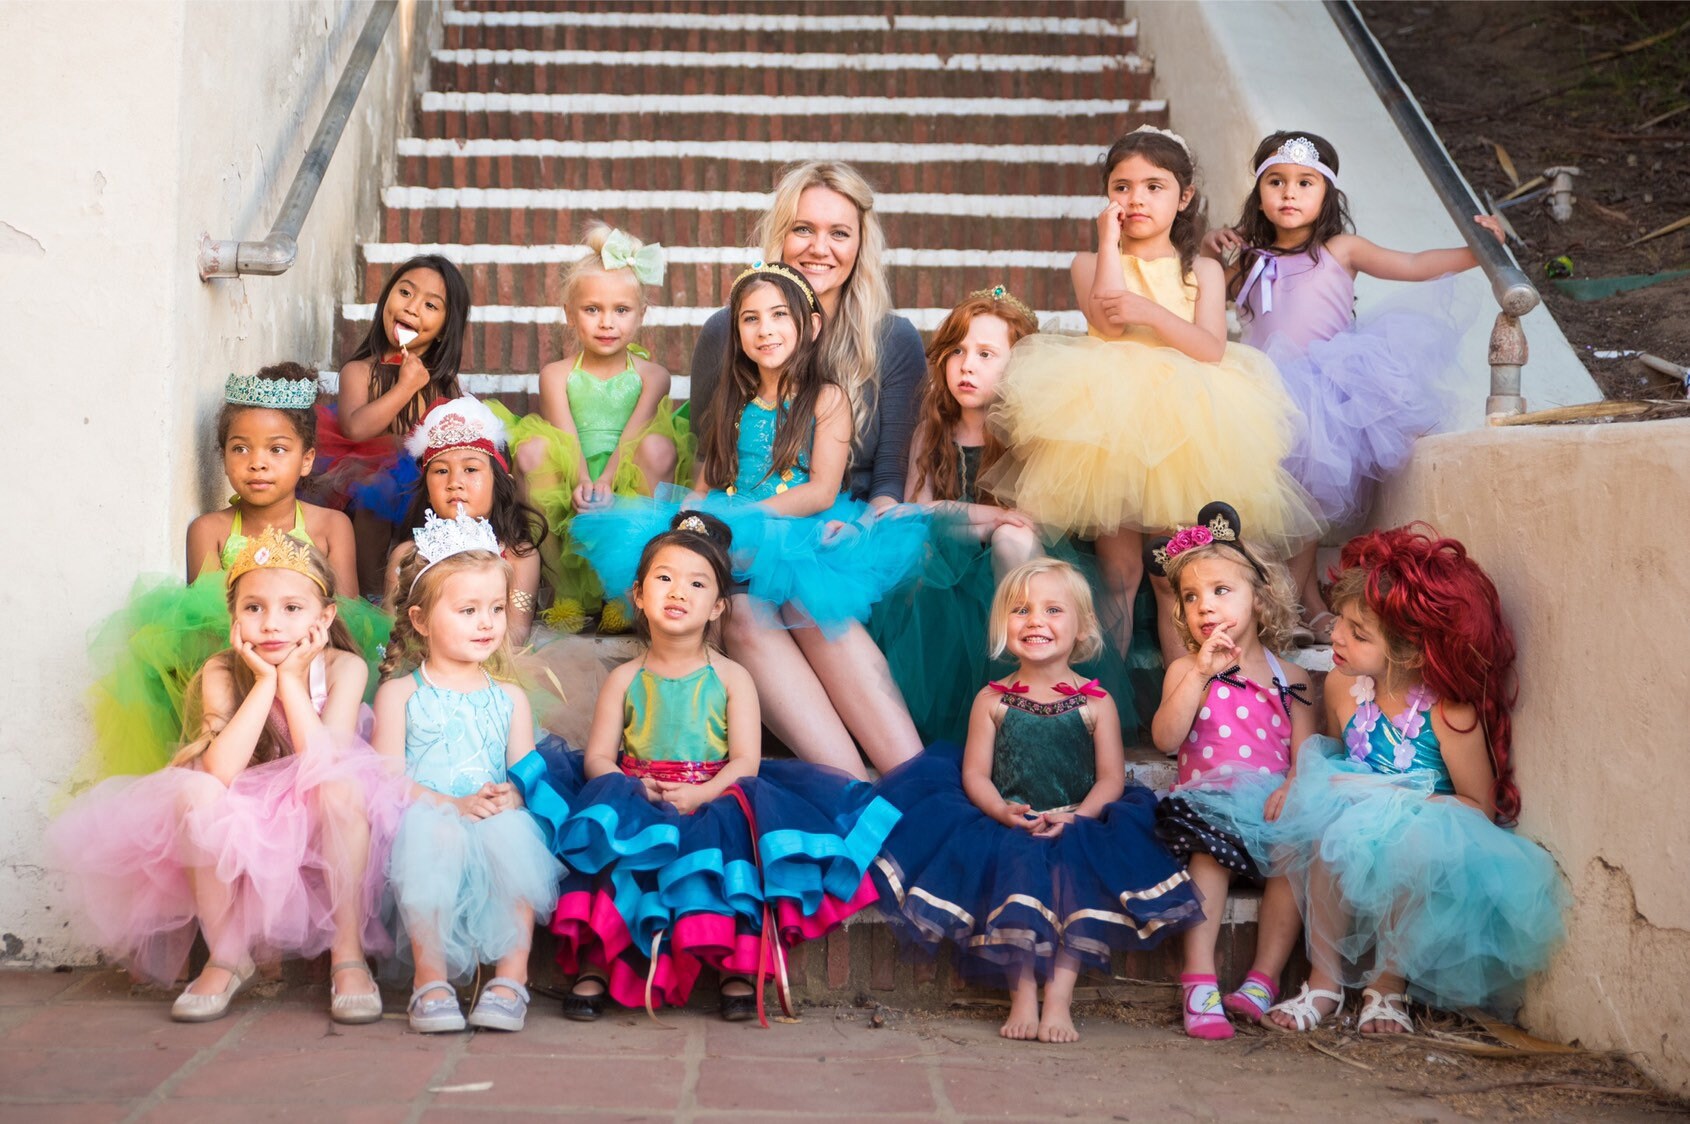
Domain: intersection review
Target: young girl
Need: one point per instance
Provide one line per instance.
(149, 650)
(698, 852)
(1141, 421)
(1367, 388)
(1389, 837)
(1232, 712)
(771, 460)
(407, 361)
(470, 871)
(460, 450)
(605, 425)
(1034, 857)
(266, 833)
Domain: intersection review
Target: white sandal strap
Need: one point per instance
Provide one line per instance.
(1379, 1005)
(1302, 1010)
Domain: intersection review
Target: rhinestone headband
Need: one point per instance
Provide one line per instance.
(273, 394)
(1302, 152)
(1003, 296)
(273, 550)
(438, 539)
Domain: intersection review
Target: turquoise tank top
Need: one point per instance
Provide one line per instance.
(236, 542)
(684, 719)
(1375, 740)
(1044, 755)
(601, 409)
(756, 479)
(455, 742)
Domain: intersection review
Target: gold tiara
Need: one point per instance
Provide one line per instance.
(1002, 295)
(784, 270)
(274, 550)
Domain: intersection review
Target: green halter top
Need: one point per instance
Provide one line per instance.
(601, 409)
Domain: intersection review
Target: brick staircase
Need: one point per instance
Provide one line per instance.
(979, 122)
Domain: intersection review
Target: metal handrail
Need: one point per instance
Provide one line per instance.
(1514, 292)
(276, 253)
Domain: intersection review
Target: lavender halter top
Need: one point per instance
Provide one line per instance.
(1298, 299)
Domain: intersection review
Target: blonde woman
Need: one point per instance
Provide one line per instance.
(822, 222)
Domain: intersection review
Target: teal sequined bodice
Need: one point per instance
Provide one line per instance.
(455, 741)
(756, 447)
(1044, 755)
(1407, 744)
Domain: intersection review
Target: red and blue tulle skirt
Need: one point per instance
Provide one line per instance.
(1007, 901)
(653, 896)
(373, 475)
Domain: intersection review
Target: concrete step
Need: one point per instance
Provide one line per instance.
(901, 75)
(603, 117)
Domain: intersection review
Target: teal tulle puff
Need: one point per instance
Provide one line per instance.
(147, 653)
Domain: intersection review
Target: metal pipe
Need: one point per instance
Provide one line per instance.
(276, 253)
(1514, 292)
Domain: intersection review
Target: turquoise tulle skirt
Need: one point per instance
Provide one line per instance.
(1420, 885)
(458, 883)
(932, 628)
(794, 563)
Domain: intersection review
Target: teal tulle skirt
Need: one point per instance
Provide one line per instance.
(147, 653)
(933, 631)
(458, 883)
(1422, 886)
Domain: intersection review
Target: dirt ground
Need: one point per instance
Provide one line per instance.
(1567, 84)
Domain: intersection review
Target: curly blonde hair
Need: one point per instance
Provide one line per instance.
(1277, 610)
(1013, 592)
(851, 340)
(408, 648)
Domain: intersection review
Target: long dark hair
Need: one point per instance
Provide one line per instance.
(1169, 155)
(1258, 232)
(443, 356)
(710, 539)
(519, 527)
(800, 385)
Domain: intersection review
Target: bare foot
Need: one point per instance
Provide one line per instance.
(1023, 1022)
(1057, 1026)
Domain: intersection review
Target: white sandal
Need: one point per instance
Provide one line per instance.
(1388, 1007)
(1304, 1014)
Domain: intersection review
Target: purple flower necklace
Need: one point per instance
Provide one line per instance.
(1400, 731)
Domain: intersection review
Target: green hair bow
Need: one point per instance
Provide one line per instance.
(622, 252)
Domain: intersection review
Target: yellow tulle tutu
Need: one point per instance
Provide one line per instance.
(1107, 435)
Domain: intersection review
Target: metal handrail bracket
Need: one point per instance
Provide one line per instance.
(1514, 292)
(276, 253)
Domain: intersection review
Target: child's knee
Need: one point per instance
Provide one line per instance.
(530, 455)
(657, 455)
(1014, 542)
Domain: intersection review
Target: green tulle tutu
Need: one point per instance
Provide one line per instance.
(933, 629)
(576, 589)
(147, 653)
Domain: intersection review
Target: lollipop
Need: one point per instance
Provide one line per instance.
(404, 335)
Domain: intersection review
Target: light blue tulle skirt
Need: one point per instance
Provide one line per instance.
(825, 579)
(458, 883)
(1424, 886)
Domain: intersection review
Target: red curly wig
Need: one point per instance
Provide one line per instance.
(1432, 599)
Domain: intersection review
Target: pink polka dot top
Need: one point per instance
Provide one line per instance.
(1242, 727)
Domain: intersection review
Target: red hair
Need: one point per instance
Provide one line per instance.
(1432, 598)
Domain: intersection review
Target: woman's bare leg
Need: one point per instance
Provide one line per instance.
(795, 704)
(853, 671)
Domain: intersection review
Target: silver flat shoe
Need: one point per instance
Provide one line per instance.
(435, 1016)
(193, 1008)
(353, 1010)
(500, 1012)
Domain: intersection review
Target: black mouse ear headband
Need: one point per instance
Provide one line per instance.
(1218, 522)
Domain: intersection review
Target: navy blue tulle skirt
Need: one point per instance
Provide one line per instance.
(1006, 900)
(652, 895)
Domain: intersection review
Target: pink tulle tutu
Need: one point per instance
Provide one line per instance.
(281, 842)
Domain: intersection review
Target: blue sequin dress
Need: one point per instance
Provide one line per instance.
(1430, 888)
(456, 881)
(789, 562)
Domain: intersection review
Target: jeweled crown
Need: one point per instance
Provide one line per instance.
(271, 549)
(1002, 295)
(438, 539)
(1298, 150)
(273, 394)
(786, 271)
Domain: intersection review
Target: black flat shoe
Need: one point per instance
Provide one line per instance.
(585, 1008)
(739, 1008)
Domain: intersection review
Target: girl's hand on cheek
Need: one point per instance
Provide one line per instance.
(261, 669)
(1109, 223)
(298, 662)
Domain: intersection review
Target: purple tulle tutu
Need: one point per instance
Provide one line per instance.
(1367, 393)
(282, 842)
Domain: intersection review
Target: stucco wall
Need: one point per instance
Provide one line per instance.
(130, 130)
(1583, 530)
(1234, 72)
